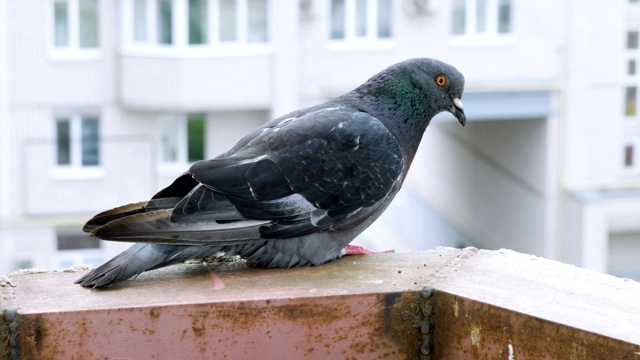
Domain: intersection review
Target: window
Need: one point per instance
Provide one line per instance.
(481, 17)
(165, 22)
(629, 156)
(257, 21)
(75, 27)
(75, 248)
(632, 40)
(88, 23)
(73, 239)
(357, 20)
(202, 24)
(630, 100)
(631, 67)
(140, 21)
(243, 22)
(182, 139)
(61, 21)
(195, 137)
(629, 153)
(77, 142)
(23, 264)
(198, 22)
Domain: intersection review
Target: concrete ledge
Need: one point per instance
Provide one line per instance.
(440, 304)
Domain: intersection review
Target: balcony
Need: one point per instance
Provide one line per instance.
(440, 304)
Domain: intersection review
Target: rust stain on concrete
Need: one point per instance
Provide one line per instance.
(360, 326)
(477, 330)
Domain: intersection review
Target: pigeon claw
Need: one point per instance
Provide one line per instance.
(359, 250)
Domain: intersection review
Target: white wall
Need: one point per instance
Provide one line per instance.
(45, 81)
(285, 59)
(6, 183)
(485, 180)
(594, 106)
(599, 230)
(34, 243)
(225, 129)
(196, 84)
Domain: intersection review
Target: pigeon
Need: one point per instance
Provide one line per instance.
(294, 192)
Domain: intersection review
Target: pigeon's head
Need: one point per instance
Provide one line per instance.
(440, 82)
(407, 95)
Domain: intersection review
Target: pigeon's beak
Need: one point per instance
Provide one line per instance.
(457, 111)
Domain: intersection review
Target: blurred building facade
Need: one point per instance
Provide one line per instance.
(103, 103)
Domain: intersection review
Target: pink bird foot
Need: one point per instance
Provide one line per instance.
(359, 250)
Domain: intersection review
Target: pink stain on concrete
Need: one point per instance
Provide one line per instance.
(217, 282)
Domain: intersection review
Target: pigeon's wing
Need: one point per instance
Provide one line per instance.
(306, 174)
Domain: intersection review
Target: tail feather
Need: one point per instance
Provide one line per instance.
(130, 209)
(113, 214)
(140, 258)
(157, 227)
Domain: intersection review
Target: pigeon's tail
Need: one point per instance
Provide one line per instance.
(140, 258)
(161, 241)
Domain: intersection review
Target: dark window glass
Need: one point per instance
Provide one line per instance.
(72, 239)
(632, 40)
(228, 20)
(165, 22)
(630, 100)
(63, 141)
(458, 21)
(88, 23)
(337, 19)
(384, 18)
(504, 16)
(197, 22)
(257, 21)
(90, 142)
(629, 151)
(196, 128)
(61, 24)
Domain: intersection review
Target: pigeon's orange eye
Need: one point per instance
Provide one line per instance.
(441, 80)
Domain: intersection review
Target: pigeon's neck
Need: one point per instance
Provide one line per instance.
(402, 109)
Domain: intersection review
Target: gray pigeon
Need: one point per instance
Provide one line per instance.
(294, 192)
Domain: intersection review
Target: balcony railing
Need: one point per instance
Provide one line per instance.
(440, 304)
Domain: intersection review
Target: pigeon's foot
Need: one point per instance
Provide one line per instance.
(359, 250)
